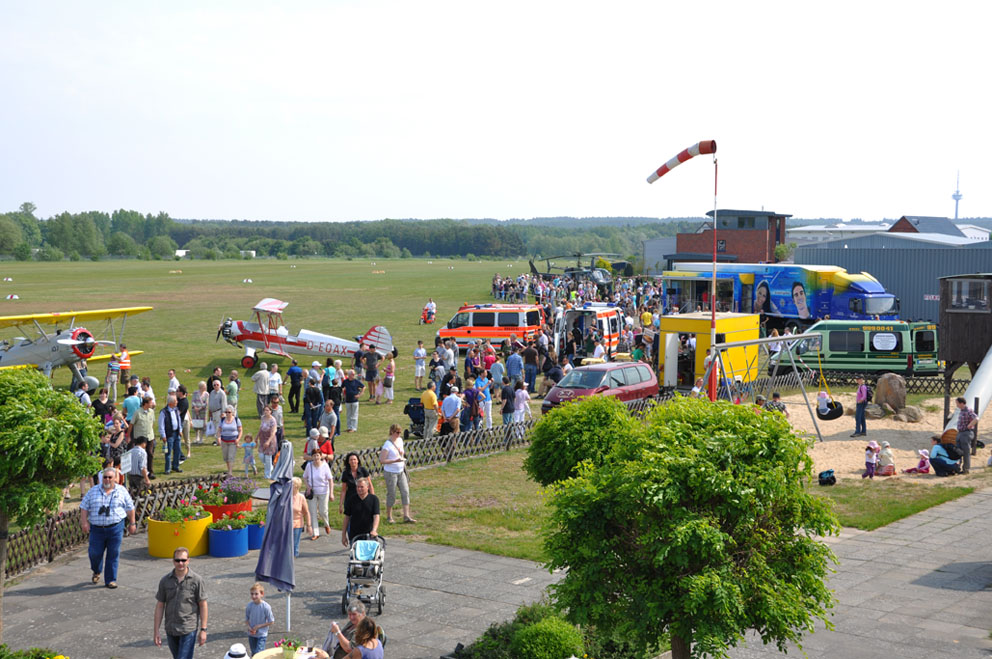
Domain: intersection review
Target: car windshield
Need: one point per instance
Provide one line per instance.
(880, 305)
(581, 380)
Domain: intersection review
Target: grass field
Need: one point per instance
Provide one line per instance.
(486, 504)
(336, 297)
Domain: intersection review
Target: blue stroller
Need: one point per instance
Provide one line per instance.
(415, 410)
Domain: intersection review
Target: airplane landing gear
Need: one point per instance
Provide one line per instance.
(249, 361)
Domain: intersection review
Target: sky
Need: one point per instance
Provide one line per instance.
(340, 110)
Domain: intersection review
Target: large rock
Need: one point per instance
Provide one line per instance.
(899, 417)
(873, 411)
(888, 408)
(912, 413)
(891, 389)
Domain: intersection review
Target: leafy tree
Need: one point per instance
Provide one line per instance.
(50, 253)
(122, 244)
(22, 252)
(10, 234)
(571, 434)
(46, 440)
(784, 251)
(699, 527)
(162, 247)
(30, 228)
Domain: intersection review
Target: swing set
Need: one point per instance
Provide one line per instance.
(736, 388)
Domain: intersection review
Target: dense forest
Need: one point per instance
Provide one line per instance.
(129, 234)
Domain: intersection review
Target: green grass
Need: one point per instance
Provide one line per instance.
(484, 504)
(868, 505)
(337, 297)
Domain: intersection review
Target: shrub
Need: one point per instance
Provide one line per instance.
(496, 642)
(228, 523)
(30, 653)
(551, 638)
(571, 434)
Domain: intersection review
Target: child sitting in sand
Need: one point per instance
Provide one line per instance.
(923, 466)
(886, 461)
(871, 459)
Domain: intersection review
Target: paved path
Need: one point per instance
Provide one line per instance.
(916, 588)
(437, 597)
(919, 587)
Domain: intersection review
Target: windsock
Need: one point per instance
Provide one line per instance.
(706, 146)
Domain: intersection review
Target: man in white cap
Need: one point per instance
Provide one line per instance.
(451, 408)
(315, 372)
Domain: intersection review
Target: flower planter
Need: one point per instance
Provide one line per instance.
(255, 534)
(230, 509)
(288, 653)
(165, 537)
(228, 544)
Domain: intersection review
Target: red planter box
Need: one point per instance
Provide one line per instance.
(231, 509)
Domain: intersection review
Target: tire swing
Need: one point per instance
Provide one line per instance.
(834, 409)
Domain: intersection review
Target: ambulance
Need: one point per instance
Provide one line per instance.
(496, 322)
(605, 318)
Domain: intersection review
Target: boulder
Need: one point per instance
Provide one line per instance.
(912, 413)
(891, 389)
(873, 411)
(888, 408)
(899, 417)
(849, 410)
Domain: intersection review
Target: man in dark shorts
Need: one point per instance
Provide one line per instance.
(361, 514)
(371, 370)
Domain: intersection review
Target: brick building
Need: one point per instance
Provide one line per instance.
(744, 236)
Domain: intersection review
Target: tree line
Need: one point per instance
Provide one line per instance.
(130, 234)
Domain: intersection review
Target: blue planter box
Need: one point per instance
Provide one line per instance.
(255, 534)
(227, 544)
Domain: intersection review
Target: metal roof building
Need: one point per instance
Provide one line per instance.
(909, 265)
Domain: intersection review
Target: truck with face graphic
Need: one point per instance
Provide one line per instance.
(785, 294)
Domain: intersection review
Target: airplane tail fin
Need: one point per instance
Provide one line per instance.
(380, 338)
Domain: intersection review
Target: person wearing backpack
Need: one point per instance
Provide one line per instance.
(861, 402)
(940, 460)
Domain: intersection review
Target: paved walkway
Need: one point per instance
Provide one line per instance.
(436, 597)
(921, 587)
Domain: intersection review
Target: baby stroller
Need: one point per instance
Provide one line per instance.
(426, 317)
(365, 563)
(415, 410)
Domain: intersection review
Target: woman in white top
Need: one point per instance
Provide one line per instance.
(317, 475)
(393, 460)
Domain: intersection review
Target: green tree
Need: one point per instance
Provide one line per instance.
(571, 434)
(50, 253)
(784, 251)
(162, 247)
(10, 234)
(698, 526)
(22, 252)
(122, 244)
(46, 440)
(30, 228)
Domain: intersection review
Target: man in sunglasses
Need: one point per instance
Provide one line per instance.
(182, 598)
(102, 513)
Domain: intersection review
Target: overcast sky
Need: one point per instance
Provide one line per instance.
(339, 110)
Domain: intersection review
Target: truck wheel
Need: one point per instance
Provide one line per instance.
(248, 361)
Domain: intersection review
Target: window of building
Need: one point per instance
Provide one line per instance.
(970, 295)
(745, 223)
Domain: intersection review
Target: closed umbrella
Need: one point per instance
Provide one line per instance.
(275, 559)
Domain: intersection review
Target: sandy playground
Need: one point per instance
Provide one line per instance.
(846, 456)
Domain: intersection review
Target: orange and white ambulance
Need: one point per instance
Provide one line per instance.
(604, 317)
(495, 322)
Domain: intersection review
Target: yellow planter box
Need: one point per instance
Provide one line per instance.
(165, 537)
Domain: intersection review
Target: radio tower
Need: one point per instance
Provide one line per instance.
(957, 196)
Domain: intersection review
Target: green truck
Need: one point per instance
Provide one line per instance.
(886, 346)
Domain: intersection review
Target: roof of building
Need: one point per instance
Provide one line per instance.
(700, 256)
(840, 226)
(737, 213)
(983, 275)
(925, 224)
(898, 240)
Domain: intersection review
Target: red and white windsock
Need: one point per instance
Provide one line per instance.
(706, 146)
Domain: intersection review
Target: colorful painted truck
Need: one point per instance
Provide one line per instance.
(786, 295)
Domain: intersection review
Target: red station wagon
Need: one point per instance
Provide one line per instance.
(625, 380)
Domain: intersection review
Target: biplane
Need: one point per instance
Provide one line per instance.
(267, 333)
(66, 342)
